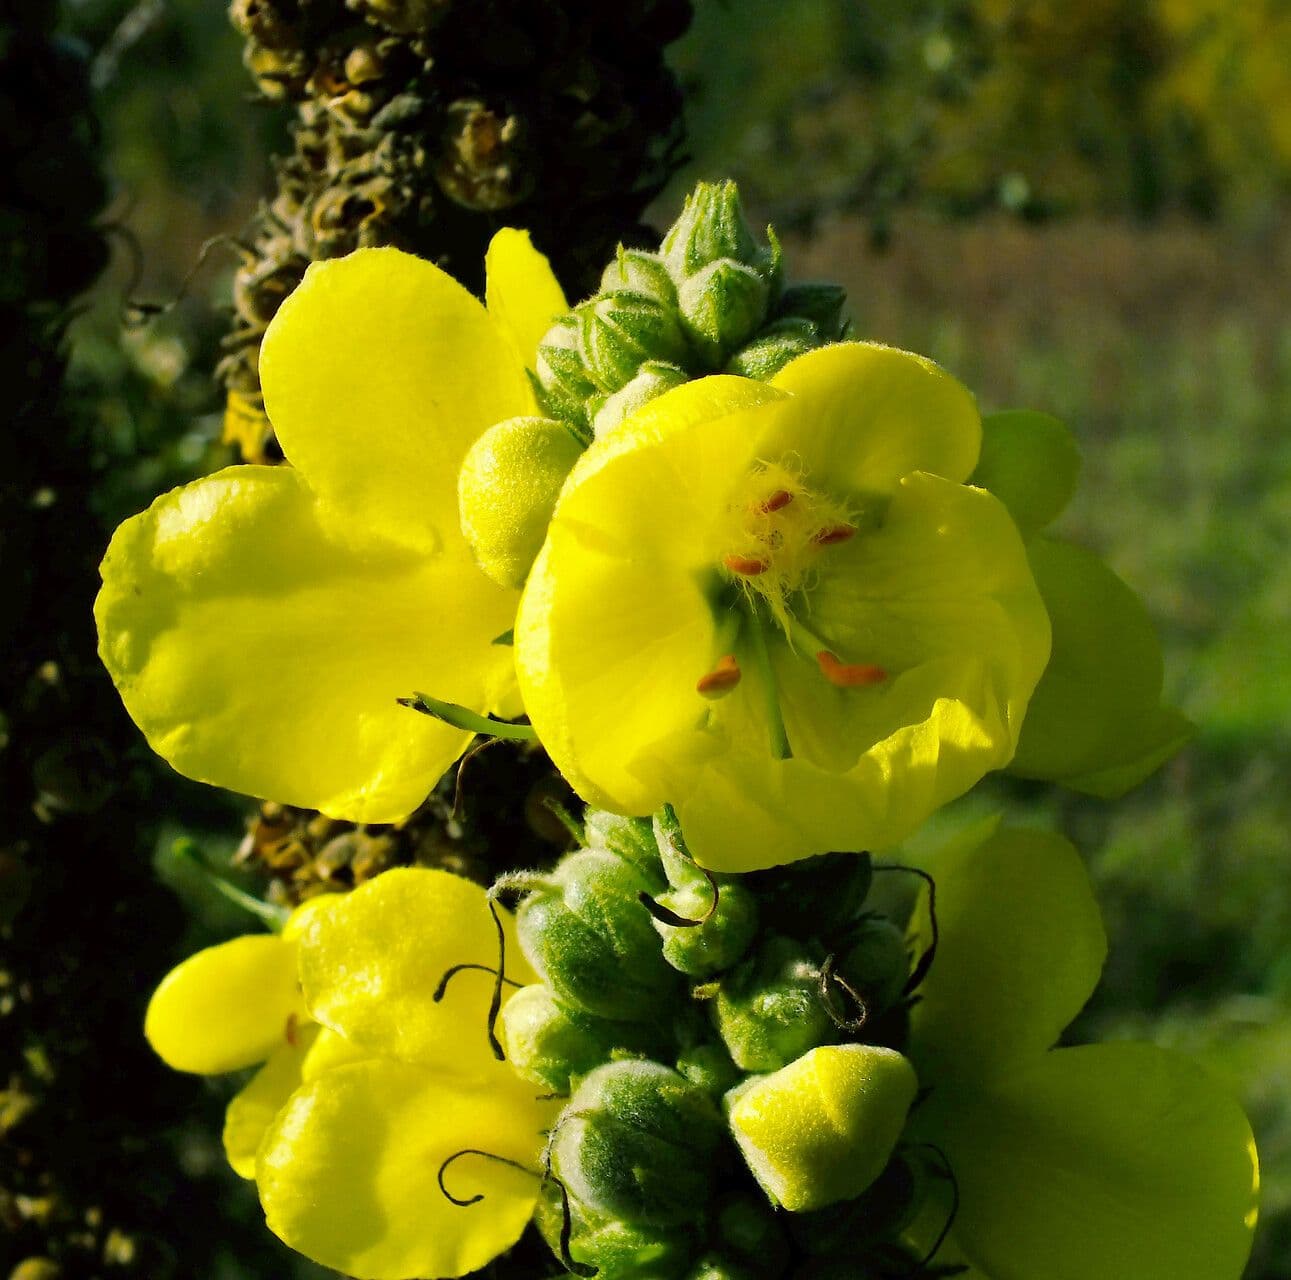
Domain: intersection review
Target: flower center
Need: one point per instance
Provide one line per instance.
(778, 529)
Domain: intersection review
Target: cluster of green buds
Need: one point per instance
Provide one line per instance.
(730, 1048)
(711, 300)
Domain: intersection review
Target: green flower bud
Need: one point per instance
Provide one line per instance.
(638, 1142)
(507, 490)
(704, 950)
(550, 1045)
(651, 381)
(749, 1231)
(637, 271)
(631, 839)
(592, 942)
(710, 1067)
(823, 1128)
(563, 384)
(820, 897)
(712, 226)
(822, 304)
(768, 1011)
(773, 348)
(619, 332)
(722, 305)
(619, 1250)
(877, 964)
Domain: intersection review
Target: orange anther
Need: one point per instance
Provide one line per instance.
(292, 1028)
(776, 501)
(834, 533)
(721, 679)
(748, 566)
(848, 675)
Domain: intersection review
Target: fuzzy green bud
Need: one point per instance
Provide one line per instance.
(637, 271)
(550, 1045)
(619, 332)
(877, 964)
(722, 305)
(631, 839)
(750, 1233)
(780, 342)
(712, 226)
(820, 897)
(563, 383)
(638, 1142)
(823, 1128)
(768, 1011)
(591, 941)
(651, 381)
(619, 1250)
(822, 304)
(507, 489)
(725, 933)
(710, 1067)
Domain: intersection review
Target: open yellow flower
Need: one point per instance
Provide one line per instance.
(380, 1102)
(1091, 1163)
(260, 623)
(780, 609)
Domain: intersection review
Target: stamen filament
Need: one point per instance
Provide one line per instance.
(780, 748)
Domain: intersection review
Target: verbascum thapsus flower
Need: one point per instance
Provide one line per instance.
(780, 608)
(260, 623)
(376, 1099)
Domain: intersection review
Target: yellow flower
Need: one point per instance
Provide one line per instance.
(260, 623)
(781, 609)
(379, 1102)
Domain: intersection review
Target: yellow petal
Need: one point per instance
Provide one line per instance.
(254, 1107)
(523, 295)
(261, 649)
(860, 416)
(379, 371)
(1021, 949)
(348, 1172)
(226, 1007)
(1107, 1162)
(371, 967)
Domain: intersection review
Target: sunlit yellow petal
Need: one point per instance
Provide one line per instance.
(1110, 1162)
(860, 416)
(226, 1007)
(378, 373)
(348, 1172)
(1021, 949)
(255, 1105)
(261, 650)
(522, 293)
(585, 641)
(371, 968)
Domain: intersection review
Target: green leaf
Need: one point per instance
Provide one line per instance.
(1095, 721)
(1031, 462)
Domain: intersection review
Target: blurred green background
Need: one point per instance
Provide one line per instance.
(1076, 208)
